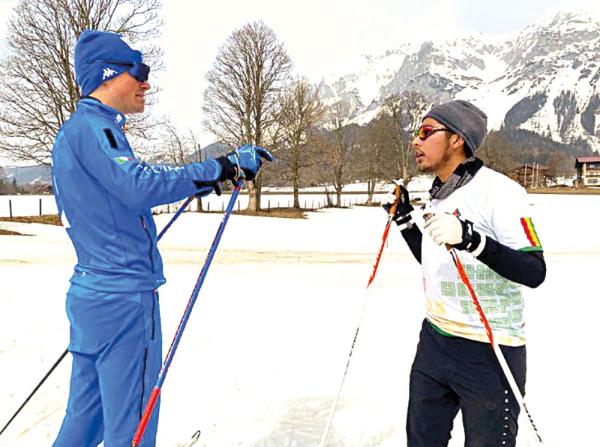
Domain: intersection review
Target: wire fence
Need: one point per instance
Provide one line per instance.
(37, 205)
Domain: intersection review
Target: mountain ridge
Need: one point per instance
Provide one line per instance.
(544, 79)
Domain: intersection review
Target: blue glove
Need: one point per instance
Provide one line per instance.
(248, 159)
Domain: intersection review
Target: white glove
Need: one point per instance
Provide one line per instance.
(448, 229)
(445, 228)
(388, 199)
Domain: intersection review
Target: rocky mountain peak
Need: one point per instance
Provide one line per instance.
(545, 80)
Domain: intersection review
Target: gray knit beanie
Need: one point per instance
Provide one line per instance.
(464, 119)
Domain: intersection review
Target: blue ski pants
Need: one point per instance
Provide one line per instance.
(116, 345)
(452, 373)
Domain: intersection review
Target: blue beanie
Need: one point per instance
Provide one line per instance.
(464, 119)
(96, 53)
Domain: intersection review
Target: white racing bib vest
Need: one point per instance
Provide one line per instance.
(498, 208)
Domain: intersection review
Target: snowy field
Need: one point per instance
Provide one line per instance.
(262, 356)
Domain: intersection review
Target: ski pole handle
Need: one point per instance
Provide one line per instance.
(397, 193)
(426, 217)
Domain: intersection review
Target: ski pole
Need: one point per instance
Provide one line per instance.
(175, 216)
(63, 355)
(182, 208)
(360, 319)
(184, 319)
(495, 347)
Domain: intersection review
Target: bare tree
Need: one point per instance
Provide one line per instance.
(174, 147)
(376, 155)
(339, 144)
(497, 153)
(241, 100)
(38, 90)
(300, 111)
(561, 165)
(401, 116)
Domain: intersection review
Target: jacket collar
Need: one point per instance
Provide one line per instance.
(462, 175)
(93, 105)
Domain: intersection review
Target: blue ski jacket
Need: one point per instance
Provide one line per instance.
(104, 196)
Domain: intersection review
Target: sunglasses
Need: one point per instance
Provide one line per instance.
(426, 131)
(138, 70)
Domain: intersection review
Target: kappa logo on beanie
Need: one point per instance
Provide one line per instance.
(108, 72)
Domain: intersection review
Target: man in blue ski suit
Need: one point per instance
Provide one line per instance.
(104, 196)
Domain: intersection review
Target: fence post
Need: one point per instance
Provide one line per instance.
(207, 207)
(10, 208)
(40, 206)
(269, 205)
(238, 206)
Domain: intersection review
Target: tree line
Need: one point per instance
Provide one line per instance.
(253, 96)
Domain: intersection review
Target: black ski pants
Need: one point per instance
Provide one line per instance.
(453, 373)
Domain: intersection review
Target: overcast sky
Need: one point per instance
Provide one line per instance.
(321, 37)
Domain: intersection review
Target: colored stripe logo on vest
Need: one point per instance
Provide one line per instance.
(122, 160)
(529, 228)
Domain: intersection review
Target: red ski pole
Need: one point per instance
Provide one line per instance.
(386, 231)
(385, 234)
(490, 335)
(495, 347)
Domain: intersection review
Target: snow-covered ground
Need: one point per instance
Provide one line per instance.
(268, 340)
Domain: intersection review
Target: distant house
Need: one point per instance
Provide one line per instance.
(530, 175)
(588, 171)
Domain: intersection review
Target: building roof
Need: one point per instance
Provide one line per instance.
(595, 159)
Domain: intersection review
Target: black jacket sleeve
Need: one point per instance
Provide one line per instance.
(413, 238)
(527, 268)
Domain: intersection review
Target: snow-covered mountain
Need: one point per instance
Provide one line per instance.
(545, 79)
(27, 174)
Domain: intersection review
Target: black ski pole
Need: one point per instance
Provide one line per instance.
(63, 355)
